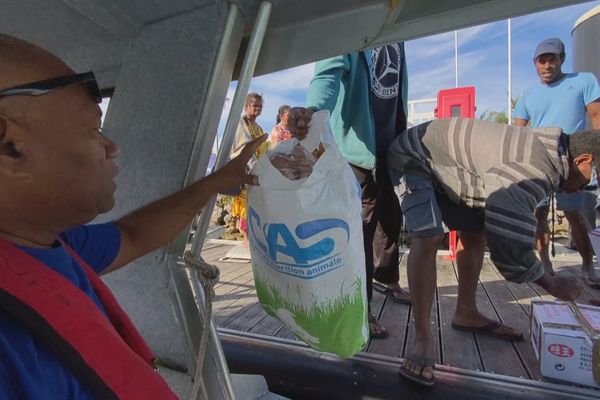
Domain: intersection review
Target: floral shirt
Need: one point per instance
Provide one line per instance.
(279, 134)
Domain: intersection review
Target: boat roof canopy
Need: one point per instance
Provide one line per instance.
(95, 34)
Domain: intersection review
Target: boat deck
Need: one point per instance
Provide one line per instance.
(236, 307)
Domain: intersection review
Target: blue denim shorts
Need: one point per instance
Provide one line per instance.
(428, 212)
(574, 201)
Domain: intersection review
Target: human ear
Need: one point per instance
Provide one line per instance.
(584, 158)
(11, 156)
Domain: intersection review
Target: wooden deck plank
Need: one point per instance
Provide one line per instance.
(233, 276)
(230, 271)
(267, 326)
(458, 348)
(395, 317)
(495, 301)
(236, 307)
(245, 319)
(214, 251)
(434, 329)
(231, 291)
(285, 333)
(235, 295)
(523, 294)
(227, 269)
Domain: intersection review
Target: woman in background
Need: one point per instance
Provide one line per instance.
(281, 131)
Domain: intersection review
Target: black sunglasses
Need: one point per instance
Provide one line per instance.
(40, 88)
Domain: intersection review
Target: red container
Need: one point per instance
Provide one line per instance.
(457, 102)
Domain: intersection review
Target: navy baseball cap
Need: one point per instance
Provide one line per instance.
(552, 46)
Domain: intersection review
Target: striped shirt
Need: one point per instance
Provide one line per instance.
(505, 169)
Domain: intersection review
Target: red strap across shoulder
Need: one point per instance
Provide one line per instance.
(116, 314)
(108, 355)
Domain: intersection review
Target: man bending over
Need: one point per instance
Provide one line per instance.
(464, 173)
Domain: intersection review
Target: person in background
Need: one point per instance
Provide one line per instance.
(561, 100)
(247, 131)
(281, 132)
(441, 176)
(63, 335)
(366, 94)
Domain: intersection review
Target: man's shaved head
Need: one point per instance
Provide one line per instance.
(22, 62)
(56, 166)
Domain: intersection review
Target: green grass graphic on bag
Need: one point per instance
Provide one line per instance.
(348, 309)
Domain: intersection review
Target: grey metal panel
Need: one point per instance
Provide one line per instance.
(153, 116)
(210, 112)
(112, 19)
(324, 35)
(146, 12)
(147, 303)
(64, 31)
(586, 47)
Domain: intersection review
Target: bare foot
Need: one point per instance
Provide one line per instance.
(561, 287)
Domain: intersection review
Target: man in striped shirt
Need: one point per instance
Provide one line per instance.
(484, 180)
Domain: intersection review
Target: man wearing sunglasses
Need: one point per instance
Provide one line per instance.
(62, 333)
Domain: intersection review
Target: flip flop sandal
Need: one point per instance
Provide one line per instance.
(424, 362)
(376, 330)
(389, 293)
(594, 302)
(490, 330)
(591, 283)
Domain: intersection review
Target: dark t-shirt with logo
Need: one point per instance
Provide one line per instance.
(386, 93)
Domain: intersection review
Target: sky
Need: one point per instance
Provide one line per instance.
(482, 62)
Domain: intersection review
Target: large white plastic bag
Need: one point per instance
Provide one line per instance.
(307, 250)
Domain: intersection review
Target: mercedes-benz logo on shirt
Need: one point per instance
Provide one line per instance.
(385, 77)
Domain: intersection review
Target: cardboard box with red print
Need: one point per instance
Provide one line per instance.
(566, 341)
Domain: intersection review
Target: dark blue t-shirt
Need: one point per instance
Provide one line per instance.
(28, 370)
(386, 70)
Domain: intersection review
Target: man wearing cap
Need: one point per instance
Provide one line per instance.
(561, 100)
(62, 333)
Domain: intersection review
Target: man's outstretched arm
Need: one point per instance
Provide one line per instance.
(154, 225)
(510, 229)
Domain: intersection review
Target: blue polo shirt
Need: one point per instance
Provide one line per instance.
(29, 370)
(560, 104)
